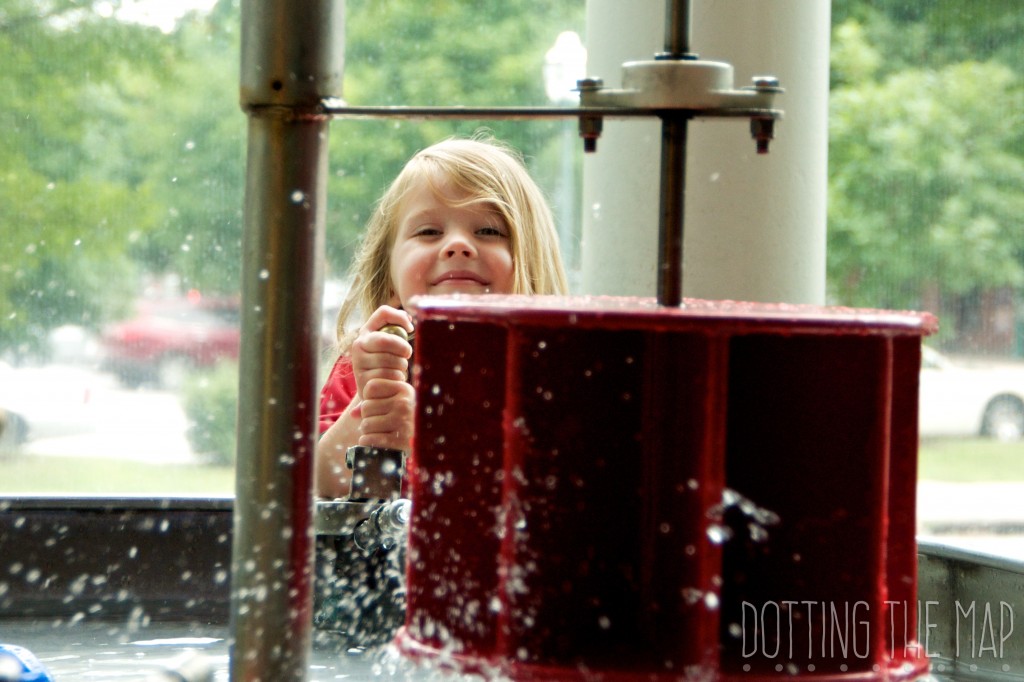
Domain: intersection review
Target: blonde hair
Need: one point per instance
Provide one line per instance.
(487, 171)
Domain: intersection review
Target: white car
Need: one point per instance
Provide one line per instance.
(42, 402)
(961, 399)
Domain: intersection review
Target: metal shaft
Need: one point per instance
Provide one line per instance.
(291, 59)
(673, 166)
(273, 543)
(673, 201)
(677, 28)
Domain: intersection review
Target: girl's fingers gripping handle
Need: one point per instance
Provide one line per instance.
(396, 330)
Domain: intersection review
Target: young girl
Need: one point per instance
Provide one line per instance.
(463, 216)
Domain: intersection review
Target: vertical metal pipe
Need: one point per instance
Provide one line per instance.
(673, 202)
(273, 543)
(677, 28)
(291, 59)
(673, 166)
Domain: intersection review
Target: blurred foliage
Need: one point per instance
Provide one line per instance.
(64, 226)
(125, 147)
(926, 151)
(938, 32)
(210, 400)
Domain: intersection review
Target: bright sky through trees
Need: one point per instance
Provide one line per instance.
(160, 13)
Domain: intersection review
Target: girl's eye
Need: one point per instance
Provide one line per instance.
(490, 231)
(427, 231)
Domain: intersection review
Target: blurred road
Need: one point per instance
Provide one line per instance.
(77, 412)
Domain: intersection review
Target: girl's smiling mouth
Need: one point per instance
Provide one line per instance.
(459, 277)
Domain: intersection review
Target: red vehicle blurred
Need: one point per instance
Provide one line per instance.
(169, 338)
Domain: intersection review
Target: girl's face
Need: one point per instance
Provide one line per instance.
(441, 248)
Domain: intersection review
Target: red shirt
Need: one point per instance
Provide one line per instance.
(337, 393)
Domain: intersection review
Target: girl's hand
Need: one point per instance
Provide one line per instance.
(379, 355)
(380, 362)
(387, 414)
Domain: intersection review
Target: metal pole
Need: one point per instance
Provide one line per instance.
(673, 202)
(292, 58)
(677, 28)
(673, 166)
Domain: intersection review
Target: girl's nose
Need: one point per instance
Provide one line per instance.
(458, 246)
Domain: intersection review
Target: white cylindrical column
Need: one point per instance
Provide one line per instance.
(618, 254)
(754, 225)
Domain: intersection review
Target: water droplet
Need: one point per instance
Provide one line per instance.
(692, 595)
(604, 622)
(297, 196)
(264, 274)
(718, 534)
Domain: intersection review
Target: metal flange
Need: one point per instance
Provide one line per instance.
(703, 87)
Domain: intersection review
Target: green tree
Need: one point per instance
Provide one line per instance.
(938, 32)
(62, 227)
(124, 146)
(182, 144)
(925, 176)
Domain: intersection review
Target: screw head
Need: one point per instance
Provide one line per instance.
(766, 82)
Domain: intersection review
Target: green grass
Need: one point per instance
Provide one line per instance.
(966, 460)
(971, 460)
(23, 474)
